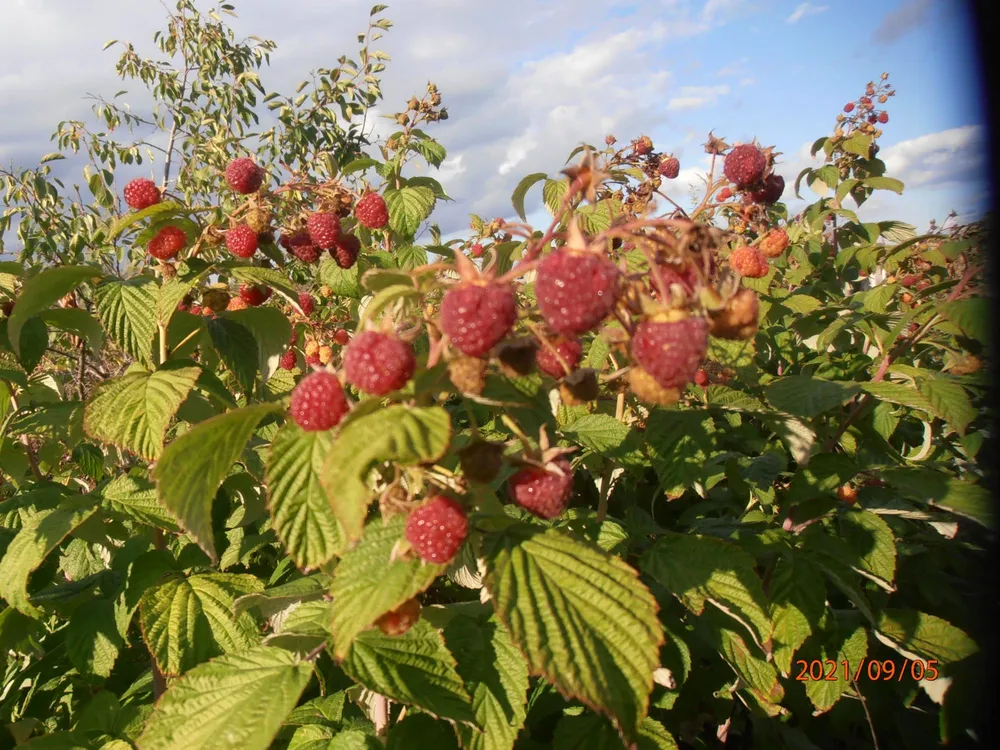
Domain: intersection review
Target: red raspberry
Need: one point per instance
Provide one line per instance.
(643, 146)
(671, 351)
(301, 245)
(476, 250)
(576, 291)
(378, 364)
(196, 309)
(724, 195)
(141, 193)
(866, 101)
(437, 529)
(569, 349)
(670, 167)
(167, 243)
(371, 211)
(749, 262)
(237, 303)
(318, 402)
(883, 117)
(849, 107)
(774, 243)
(745, 165)
(701, 378)
(254, 295)
(313, 360)
(401, 619)
(241, 241)
(774, 186)
(342, 336)
(543, 493)
(909, 280)
(847, 494)
(244, 176)
(477, 317)
(324, 229)
(671, 274)
(307, 303)
(345, 252)
(8, 308)
(288, 360)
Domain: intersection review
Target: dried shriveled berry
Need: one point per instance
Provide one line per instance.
(737, 320)
(481, 461)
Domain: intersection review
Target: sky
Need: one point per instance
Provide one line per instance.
(525, 82)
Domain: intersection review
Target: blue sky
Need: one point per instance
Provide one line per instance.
(524, 82)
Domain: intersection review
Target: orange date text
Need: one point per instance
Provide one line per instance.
(872, 669)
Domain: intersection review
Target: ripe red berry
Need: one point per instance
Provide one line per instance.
(866, 101)
(377, 363)
(345, 252)
(241, 241)
(167, 243)
(745, 164)
(701, 378)
(476, 317)
(671, 351)
(909, 280)
(324, 229)
(401, 619)
(774, 186)
(543, 493)
(318, 402)
(141, 193)
(670, 167)
(307, 303)
(313, 360)
(671, 274)
(774, 243)
(254, 295)
(371, 211)
(847, 494)
(244, 176)
(476, 250)
(883, 117)
(8, 308)
(237, 303)
(342, 336)
(749, 262)
(301, 245)
(849, 107)
(288, 360)
(195, 309)
(576, 291)
(724, 195)
(569, 350)
(437, 529)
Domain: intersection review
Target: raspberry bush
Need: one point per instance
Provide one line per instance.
(282, 469)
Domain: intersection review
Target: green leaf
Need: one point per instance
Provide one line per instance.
(884, 183)
(679, 443)
(757, 675)
(188, 620)
(699, 569)
(77, 321)
(553, 192)
(935, 488)
(134, 411)
(237, 347)
(358, 165)
(399, 434)
(127, 310)
(234, 701)
(172, 291)
(92, 637)
(927, 636)
(271, 330)
(42, 290)
(950, 402)
(877, 300)
(269, 277)
(432, 151)
(858, 144)
(344, 282)
(873, 541)
(136, 498)
(805, 396)
(798, 598)
(517, 197)
(606, 436)
(898, 393)
(824, 474)
(414, 668)
(161, 209)
(496, 676)
(971, 315)
(368, 582)
(802, 304)
(581, 618)
(416, 730)
(300, 511)
(193, 466)
(37, 538)
(589, 731)
(407, 207)
(838, 646)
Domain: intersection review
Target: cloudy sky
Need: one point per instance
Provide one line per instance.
(524, 82)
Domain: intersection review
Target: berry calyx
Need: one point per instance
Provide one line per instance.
(476, 317)
(748, 261)
(141, 193)
(745, 164)
(671, 351)
(307, 303)
(437, 529)
(569, 351)
(241, 241)
(576, 290)
(774, 243)
(324, 229)
(244, 176)
(254, 295)
(377, 363)
(670, 167)
(318, 402)
(371, 211)
(345, 251)
(542, 492)
(167, 243)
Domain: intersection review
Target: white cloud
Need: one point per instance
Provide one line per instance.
(734, 68)
(722, 10)
(938, 159)
(805, 9)
(693, 97)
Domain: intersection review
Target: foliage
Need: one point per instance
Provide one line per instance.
(184, 566)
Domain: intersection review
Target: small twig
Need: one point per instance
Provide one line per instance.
(868, 716)
(602, 506)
